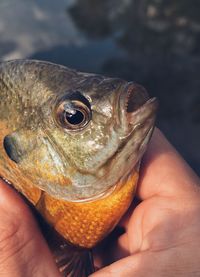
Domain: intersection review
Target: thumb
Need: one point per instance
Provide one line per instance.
(23, 251)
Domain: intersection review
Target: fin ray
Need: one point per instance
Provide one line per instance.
(74, 262)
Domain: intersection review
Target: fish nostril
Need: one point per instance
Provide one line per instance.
(136, 97)
(10, 149)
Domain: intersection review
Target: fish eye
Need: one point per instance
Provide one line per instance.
(73, 114)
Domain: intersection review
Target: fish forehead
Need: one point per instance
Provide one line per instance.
(58, 79)
(35, 79)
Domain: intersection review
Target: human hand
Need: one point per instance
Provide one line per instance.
(23, 251)
(162, 234)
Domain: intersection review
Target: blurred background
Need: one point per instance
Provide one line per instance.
(153, 42)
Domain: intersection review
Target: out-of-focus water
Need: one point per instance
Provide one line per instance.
(154, 42)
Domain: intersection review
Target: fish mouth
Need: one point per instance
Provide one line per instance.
(135, 107)
(134, 97)
(138, 114)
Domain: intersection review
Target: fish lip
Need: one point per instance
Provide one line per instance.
(137, 96)
(143, 113)
(132, 97)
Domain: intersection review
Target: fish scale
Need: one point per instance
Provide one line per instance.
(77, 168)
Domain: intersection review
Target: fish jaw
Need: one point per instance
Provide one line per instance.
(137, 121)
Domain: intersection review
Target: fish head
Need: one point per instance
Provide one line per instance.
(82, 135)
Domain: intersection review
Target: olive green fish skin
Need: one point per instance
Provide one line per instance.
(71, 165)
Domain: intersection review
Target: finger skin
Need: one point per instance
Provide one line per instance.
(164, 171)
(23, 251)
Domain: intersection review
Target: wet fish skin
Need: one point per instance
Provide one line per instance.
(29, 91)
(80, 177)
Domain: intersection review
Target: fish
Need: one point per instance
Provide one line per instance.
(71, 143)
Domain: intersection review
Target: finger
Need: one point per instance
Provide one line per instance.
(164, 172)
(176, 261)
(131, 266)
(23, 251)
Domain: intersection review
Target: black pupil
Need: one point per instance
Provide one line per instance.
(76, 118)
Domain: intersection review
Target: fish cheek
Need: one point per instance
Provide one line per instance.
(44, 166)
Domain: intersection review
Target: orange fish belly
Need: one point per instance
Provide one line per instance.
(84, 224)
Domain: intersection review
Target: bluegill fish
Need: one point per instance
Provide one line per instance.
(71, 143)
